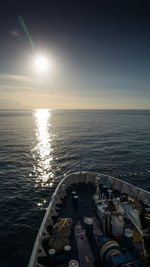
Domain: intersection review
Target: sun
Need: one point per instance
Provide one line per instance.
(41, 63)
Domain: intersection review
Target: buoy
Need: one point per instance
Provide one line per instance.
(73, 263)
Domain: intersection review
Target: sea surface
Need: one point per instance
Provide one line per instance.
(38, 147)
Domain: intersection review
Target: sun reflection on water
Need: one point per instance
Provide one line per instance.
(42, 151)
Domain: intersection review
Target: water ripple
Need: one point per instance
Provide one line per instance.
(38, 147)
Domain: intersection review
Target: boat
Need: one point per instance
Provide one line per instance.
(94, 219)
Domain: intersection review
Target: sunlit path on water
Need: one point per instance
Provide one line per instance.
(42, 151)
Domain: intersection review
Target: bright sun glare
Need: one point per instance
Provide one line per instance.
(41, 63)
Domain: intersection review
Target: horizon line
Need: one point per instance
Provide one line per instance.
(75, 109)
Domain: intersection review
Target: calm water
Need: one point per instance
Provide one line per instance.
(38, 147)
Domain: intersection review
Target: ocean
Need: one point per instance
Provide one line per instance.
(38, 147)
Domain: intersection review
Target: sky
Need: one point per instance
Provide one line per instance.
(98, 54)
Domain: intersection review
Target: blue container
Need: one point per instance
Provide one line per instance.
(64, 256)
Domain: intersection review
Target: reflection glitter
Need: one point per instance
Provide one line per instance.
(42, 149)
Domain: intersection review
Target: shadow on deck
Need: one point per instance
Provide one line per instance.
(84, 246)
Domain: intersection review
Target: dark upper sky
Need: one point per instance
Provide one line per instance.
(101, 46)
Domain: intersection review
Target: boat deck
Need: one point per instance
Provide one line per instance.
(84, 248)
